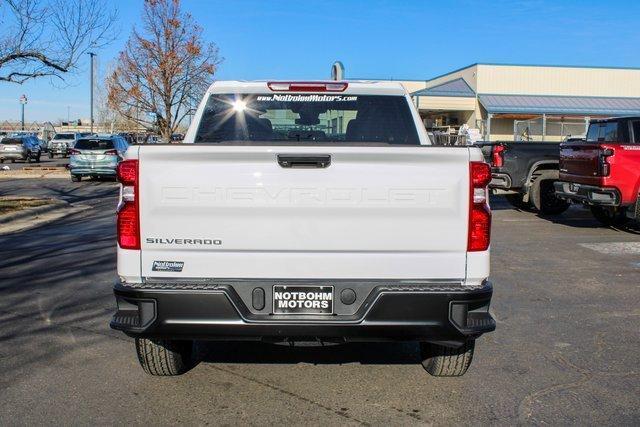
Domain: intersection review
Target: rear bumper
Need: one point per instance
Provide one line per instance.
(588, 194)
(500, 181)
(427, 312)
(13, 155)
(82, 171)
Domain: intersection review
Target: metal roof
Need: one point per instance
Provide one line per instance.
(457, 87)
(551, 104)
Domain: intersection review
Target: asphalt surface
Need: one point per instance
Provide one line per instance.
(45, 161)
(567, 304)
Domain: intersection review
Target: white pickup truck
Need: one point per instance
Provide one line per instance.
(304, 211)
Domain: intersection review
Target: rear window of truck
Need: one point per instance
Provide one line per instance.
(94, 144)
(307, 119)
(635, 128)
(611, 132)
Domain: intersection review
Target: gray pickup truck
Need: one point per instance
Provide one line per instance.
(525, 172)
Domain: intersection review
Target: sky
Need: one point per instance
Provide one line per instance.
(374, 39)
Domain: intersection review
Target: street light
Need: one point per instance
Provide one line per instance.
(91, 55)
(23, 101)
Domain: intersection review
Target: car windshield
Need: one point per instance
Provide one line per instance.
(64, 136)
(307, 119)
(10, 141)
(94, 144)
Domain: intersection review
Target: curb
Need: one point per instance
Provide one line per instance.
(49, 175)
(25, 213)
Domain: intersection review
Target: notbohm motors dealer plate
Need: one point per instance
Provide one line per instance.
(302, 299)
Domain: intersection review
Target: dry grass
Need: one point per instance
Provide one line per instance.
(14, 204)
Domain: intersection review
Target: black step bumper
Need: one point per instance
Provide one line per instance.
(587, 194)
(425, 312)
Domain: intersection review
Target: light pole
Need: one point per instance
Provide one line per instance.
(91, 55)
(23, 101)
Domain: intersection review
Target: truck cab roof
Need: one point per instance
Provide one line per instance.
(614, 119)
(360, 87)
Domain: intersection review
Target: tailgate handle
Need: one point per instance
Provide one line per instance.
(304, 161)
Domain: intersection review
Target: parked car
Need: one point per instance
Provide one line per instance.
(603, 172)
(129, 137)
(20, 147)
(96, 156)
(287, 230)
(524, 172)
(43, 145)
(62, 142)
(153, 139)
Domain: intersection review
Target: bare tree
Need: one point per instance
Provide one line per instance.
(48, 37)
(164, 69)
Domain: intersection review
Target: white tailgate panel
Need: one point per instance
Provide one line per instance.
(376, 212)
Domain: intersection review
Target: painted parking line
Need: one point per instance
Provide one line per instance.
(538, 219)
(614, 248)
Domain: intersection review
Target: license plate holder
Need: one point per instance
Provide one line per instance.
(303, 299)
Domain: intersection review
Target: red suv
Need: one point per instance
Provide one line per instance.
(603, 171)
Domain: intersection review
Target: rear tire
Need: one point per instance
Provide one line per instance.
(543, 195)
(609, 216)
(76, 178)
(635, 210)
(164, 357)
(441, 361)
(545, 199)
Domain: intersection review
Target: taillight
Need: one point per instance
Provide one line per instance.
(308, 86)
(496, 157)
(111, 153)
(479, 234)
(605, 167)
(128, 173)
(128, 215)
(72, 152)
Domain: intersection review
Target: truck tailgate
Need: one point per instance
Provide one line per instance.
(580, 163)
(235, 212)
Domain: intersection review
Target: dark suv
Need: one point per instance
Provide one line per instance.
(22, 147)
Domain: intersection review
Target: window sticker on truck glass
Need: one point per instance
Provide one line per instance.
(307, 98)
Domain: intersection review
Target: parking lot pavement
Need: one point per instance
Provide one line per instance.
(567, 305)
(45, 161)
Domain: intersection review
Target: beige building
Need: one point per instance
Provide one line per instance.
(525, 102)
